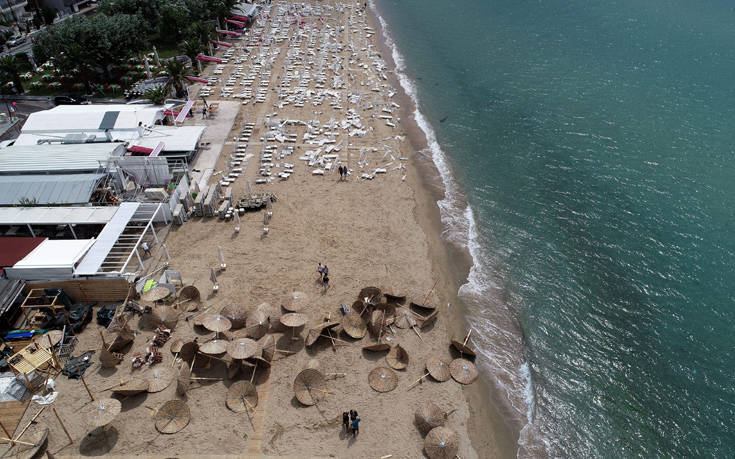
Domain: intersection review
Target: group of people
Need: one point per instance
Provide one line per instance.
(351, 423)
(324, 273)
(342, 172)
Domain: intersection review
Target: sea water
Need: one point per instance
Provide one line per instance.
(587, 147)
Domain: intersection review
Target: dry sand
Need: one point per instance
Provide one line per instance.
(380, 232)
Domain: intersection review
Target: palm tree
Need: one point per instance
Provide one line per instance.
(157, 95)
(191, 48)
(9, 65)
(176, 74)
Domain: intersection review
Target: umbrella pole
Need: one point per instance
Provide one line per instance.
(417, 333)
(334, 339)
(418, 381)
(13, 442)
(467, 337)
(252, 376)
(81, 376)
(62, 424)
(193, 359)
(334, 346)
(7, 434)
(432, 289)
(33, 419)
(176, 356)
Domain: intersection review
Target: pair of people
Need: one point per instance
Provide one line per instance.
(351, 423)
(324, 273)
(342, 172)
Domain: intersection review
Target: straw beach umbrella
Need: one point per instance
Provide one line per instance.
(242, 348)
(438, 369)
(354, 326)
(101, 412)
(242, 396)
(429, 416)
(319, 331)
(397, 358)
(308, 386)
(377, 322)
(173, 416)
(462, 347)
(295, 301)
(157, 293)
(463, 371)
(236, 314)
(183, 380)
(132, 387)
(369, 294)
(294, 320)
(441, 443)
(382, 379)
(257, 324)
(160, 378)
(214, 347)
(377, 347)
(405, 319)
(216, 323)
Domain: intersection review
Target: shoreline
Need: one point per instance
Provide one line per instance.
(451, 264)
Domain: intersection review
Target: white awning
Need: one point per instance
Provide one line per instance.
(56, 215)
(185, 138)
(57, 158)
(51, 259)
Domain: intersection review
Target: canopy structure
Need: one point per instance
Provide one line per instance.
(196, 79)
(57, 158)
(89, 123)
(229, 32)
(56, 215)
(13, 249)
(52, 259)
(184, 139)
(184, 112)
(220, 43)
(48, 189)
(236, 23)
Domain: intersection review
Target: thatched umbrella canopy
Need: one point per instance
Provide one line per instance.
(216, 323)
(369, 294)
(382, 379)
(425, 321)
(295, 301)
(183, 380)
(309, 386)
(53, 335)
(242, 396)
(157, 293)
(268, 346)
(242, 348)
(257, 324)
(463, 371)
(172, 417)
(354, 326)
(176, 345)
(189, 350)
(429, 416)
(377, 347)
(377, 322)
(463, 348)
(160, 378)
(132, 387)
(236, 314)
(397, 358)
(438, 369)
(314, 333)
(405, 319)
(102, 411)
(423, 306)
(214, 347)
(190, 296)
(165, 315)
(441, 443)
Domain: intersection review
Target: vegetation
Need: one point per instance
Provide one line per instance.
(158, 95)
(10, 70)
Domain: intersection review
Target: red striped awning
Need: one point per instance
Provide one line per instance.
(197, 80)
(229, 32)
(139, 149)
(237, 23)
(222, 43)
(202, 57)
(240, 18)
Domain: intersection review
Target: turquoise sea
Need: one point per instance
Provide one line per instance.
(588, 150)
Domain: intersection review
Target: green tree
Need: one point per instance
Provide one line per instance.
(174, 19)
(147, 10)
(10, 68)
(191, 48)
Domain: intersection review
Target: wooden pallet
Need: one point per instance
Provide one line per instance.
(11, 413)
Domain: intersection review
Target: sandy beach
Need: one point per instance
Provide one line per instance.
(380, 232)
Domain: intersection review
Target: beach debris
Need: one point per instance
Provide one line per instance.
(183, 380)
(321, 330)
(172, 417)
(397, 358)
(190, 296)
(161, 336)
(221, 256)
(429, 415)
(438, 369)
(159, 379)
(382, 379)
(295, 301)
(463, 371)
(110, 359)
(101, 412)
(441, 443)
(213, 278)
(76, 366)
(242, 396)
(308, 386)
(255, 201)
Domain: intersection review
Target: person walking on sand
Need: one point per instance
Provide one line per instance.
(325, 283)
(355, 426)
(320, 269)
(346, 422)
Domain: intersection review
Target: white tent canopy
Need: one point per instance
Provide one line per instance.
(185, 138)
(51, 259)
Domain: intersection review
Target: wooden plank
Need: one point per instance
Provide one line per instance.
(86, 291)
(11, 413)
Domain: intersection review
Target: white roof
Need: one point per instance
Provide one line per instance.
(183, 138)
(57, 157)
(92, 117)
(55, 253)
(56, 215)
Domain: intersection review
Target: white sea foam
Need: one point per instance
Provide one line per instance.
(498, 338)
